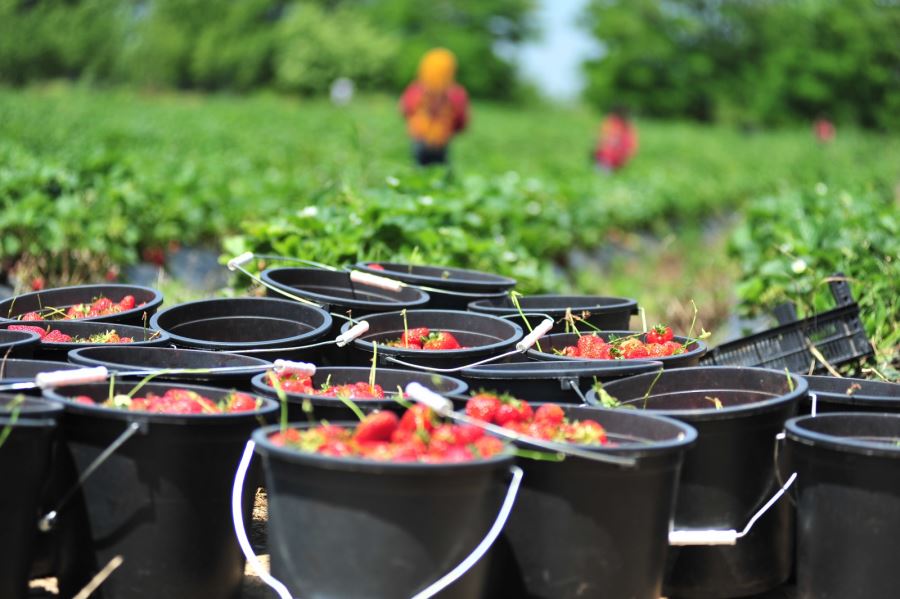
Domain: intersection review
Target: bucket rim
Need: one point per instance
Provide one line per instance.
(17, 338)
(618, 304)
(238, 345)
(796, 432)
(551, 370)
(31, 405)
(267, 407)
(262, 388)
(265, 447)
(724, 413)
(421, 298)
(367, 346)
(46, 365)
(156, 299)
(459, 279)
(856, 399)
(79, 357)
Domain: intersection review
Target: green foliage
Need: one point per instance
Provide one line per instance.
(791, 242)
(749, 62)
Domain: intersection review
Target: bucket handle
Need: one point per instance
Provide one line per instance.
(48, 521)
(431, 590)
(693, 538)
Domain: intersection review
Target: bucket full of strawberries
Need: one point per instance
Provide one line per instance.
(160, 498)
(125, 304)
(59, 338)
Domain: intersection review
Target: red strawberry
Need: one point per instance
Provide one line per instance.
(457, 454)
(656, 350)
(291, 435)
(488, 446)
(127, 303)
(659, 334)
(571, 351)
(31, 316)
(374, 266)
(467, 434)
(414, 337)
(441, 341)
(101, 306)
(37, 283)
(335, 448)
(673, 347)
(27, 328)
(417, 417)
(513, 410)
(549, 413)
(56, 336)
(636, 352)
(377, 426)
(84, 399)
(241, 402)
(483, 406)
(541, 429)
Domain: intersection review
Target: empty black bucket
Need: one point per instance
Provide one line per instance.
(355, 528)
(59, 351)
(22, 371)
(30, 428)
(18, 344)
(558, 341)
(167, 358)
(848, 504)
(587, 529)
(462, 286)
(556, 382)
(605, 313)
(260, 325)
(147, 301)
(332, 408)
(161, 501)
(834, 394)
(728, 475)
(483, 336)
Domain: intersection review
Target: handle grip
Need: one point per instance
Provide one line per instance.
(288, 367)
(440, 405)
(63, 378)
(531, 338)
(364, 278)
(239, 260)
(353, 333)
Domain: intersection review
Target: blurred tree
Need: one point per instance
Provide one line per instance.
(749, 61)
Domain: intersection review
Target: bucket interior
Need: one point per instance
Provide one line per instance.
(240, 329)
(26, 369)
(851, 389)
(471, 330)
(850, 431)
(64, 297)
(160, 357)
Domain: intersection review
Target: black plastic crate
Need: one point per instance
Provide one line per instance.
(838, 334)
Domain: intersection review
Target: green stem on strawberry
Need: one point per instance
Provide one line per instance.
(790, 379)
(650, 388)
(514, 297)
(282, 399)
(405, 325)
(399, 398)
(372, 369)
(143, 382)
(540, 456)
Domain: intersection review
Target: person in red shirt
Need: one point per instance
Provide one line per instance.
(435, 107)
(618, 141)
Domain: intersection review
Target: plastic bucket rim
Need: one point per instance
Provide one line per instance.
(268, 406)
(729, 412)
(260, 436)
(483, 306)
(83, 360)
(339, 302)
(274, 344)
(700, 350)
(795, 432)
(861, 399)
(18, 338)
(38, 404)
(154, 302)
(161, 336)
(566, 369)
(485, 280)
(367, 346)
(258, 384)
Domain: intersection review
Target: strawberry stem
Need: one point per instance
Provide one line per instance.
(282, 398)
(514, 297)
(16, 408)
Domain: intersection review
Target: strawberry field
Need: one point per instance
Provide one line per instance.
(92, 181)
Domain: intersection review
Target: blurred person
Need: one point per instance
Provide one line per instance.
(824, 130)
(618, 141)
(435, 107)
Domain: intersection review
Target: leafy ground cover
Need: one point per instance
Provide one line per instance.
(91, 180)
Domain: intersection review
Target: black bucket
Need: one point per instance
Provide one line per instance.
(463, 286)
(164, 358)
(261, 325)
(63, 297)
(834, 394)
(18, 344)
(332, 408)
(558, 341)
(161, 501)
(24, 466)
(483, 336)
(60, 351)
(587, 529)
(354, 528)
(553, 382)
(605, 313)
(848, 504)
(728, 475)
(24, 371)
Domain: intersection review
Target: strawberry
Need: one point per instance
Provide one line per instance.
(376, 426)
(673, 348)
(417, 417)
(467, 434)
(457, 454)
(483, 406)
(659, 334)
(127, 303)
(241, 402)
(31, 316)
(441, 341)
(488, 446)
(549, 413)
(29, 329)
(280, 439)
(590, 345)
(636, 352)
(414, 337)
(513, 410)
(101, 306)
(84, 399)
(374, 266)
(55, 336)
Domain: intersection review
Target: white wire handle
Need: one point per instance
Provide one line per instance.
(237, 515)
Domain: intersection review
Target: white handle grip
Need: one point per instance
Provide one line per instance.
(61, 378)
(351, 334)
(440, 405)
(689, 538)
(532, 337)
(240, 260)
(364, 278)
(287, 367)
